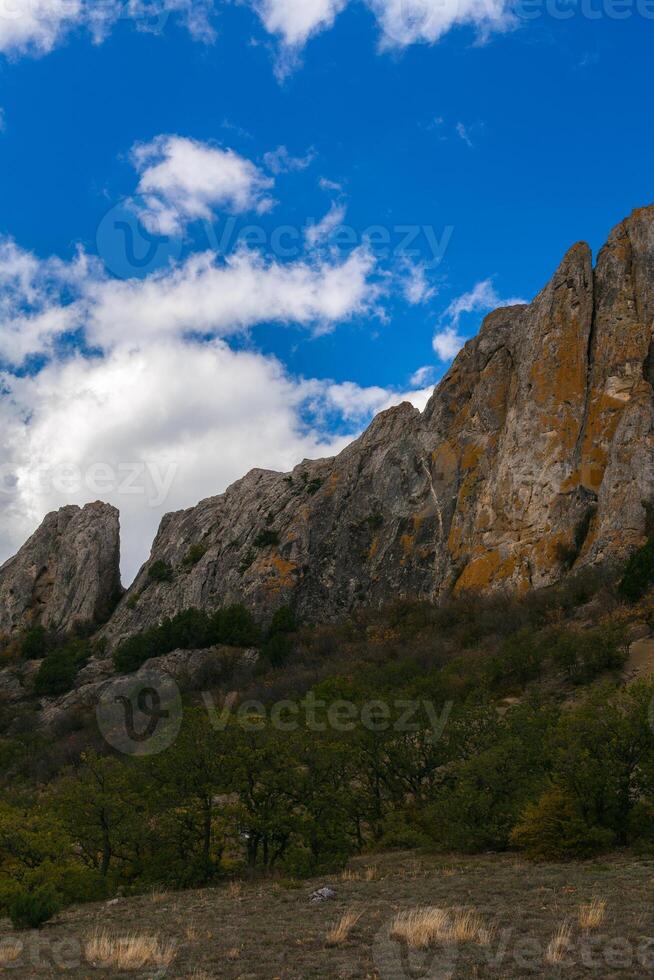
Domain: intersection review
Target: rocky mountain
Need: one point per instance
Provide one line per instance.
(534, 456)
(67, 575)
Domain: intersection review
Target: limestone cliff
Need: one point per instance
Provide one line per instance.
(534, 455)
(66, 576)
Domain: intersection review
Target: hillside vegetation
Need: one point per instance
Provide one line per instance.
(478, 725)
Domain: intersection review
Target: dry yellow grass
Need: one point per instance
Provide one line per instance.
(421, 928)
(11, 951)
(131, 952)
(349, 875)
(592, 916)
(371, 873)
(559, 944)
(339, 934)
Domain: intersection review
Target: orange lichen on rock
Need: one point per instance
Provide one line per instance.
(479, 573)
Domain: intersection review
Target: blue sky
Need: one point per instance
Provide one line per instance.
(463, 159)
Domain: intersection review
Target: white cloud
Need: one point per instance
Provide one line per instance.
(329, 185)
(162, 395)
(294, 21)
(447, 343)
(415, 284)
(462, 133)
(402, 22)
(37, 26)
(183, 180)
(405, 22)
(32, 313)
(153, 396)
(184, 419)
(280, 161)
(326, 226)
(42, 300)
(481, 298)
(422, 376)
(223, 299)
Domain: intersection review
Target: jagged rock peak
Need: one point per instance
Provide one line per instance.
(534, 456)
(67, 575)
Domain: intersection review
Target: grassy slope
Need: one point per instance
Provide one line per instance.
(268, 930)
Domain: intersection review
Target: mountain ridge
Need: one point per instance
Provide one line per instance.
(533, 457)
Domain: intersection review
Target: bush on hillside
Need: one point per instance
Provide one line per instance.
(189, 630)
(58, 671)
(266, 539)
(160, 571)
(35, 644)
(639, 573)
(587, 654)
(553, 829)
(194, 554)
(32, 909)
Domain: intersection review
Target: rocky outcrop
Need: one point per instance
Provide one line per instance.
(66, 576)
(191, 670)
(535, 455)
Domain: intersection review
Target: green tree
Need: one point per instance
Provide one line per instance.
(639, 573)
(603, 755)
(186, 782)
(101, 805)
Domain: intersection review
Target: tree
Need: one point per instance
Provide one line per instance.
(639, 573)
(265, 776)
(604, 753)
(187, 783)
(101, 805)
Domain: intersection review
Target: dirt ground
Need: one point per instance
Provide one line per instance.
(640, 665)
(271, 930)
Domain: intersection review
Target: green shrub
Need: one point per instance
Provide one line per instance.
(35, 644)
(554, 829)
(278, 646)
(584, 655)
(32, 909)
(639, 573)
(314, 486)
(519, 663)
(160, 571)
(58, 671)
(266, 539)
(283, 621)
(189, 630)
(194, 554)
(278, 649)
(235, 627)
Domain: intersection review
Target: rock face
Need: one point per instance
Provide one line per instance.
(535, 455)
(67, 575)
